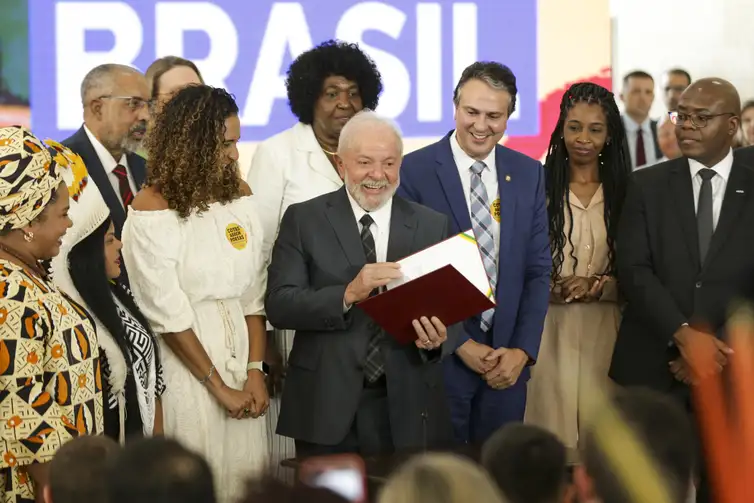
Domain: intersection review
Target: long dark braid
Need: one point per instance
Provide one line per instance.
(614, 170)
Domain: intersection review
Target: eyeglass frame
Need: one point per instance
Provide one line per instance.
(675, 118)
(147, 103)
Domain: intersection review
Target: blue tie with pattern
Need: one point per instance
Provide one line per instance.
(481, 224)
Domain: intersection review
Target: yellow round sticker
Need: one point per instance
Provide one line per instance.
(495, 209)
(236, 236)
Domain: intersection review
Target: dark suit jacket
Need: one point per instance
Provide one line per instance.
(659, 269)
(317, 253)
(429, 176)
(81, 145)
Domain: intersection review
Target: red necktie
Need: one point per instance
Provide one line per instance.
(641, 154)
(126, 195)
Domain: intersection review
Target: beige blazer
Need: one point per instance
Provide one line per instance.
(288, 168)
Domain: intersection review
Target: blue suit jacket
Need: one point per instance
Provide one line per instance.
(429, 176)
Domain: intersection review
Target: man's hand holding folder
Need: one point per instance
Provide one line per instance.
(430, 332)
(439, 286)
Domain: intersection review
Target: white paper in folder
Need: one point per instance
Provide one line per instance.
(460, 251)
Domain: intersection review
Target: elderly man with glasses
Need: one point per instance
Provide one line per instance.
(116, 110)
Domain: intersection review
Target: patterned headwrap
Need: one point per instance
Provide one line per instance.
(30, 173)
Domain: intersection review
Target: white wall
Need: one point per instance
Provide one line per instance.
(705, 37)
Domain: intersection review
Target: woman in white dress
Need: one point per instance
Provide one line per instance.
(326, 86)
(192, 248)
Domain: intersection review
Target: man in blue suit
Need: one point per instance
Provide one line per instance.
(500, 194)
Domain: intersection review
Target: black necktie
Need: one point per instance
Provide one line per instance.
(374, 364)
(367, 240)
(704, 221)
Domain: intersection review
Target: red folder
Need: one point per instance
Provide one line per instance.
(443, 293)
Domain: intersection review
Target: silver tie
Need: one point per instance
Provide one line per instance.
(481, 224)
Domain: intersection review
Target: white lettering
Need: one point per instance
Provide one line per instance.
(73, 61)
(389, 20)
(464, 38)
(286, 30)
(429, 62)
(173, 19)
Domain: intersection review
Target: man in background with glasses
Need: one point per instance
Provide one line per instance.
(116, 110)
(685, 245)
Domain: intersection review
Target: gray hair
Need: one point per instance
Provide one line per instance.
(101, 79)
(364, 120)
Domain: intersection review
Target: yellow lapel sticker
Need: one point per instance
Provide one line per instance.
(236, 236)
(495, 209)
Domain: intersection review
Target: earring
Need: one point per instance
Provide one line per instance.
(28, 236)
(601, 161)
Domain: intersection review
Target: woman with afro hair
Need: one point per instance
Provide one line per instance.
(586, 175)
(326, 87)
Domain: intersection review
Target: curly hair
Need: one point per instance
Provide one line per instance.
(308, 72)
(185, 150)
(614, 171)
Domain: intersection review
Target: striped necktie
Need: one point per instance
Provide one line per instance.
(481, 224)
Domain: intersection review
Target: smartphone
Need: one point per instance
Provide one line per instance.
(343, 474)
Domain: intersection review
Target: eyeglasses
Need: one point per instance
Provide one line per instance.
(697, 120)
(133, 102)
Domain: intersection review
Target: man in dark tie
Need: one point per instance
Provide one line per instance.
(350, 387)
(115, 100)
(685, 247)
(638, 94)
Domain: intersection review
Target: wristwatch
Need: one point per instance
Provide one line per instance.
(256, 366)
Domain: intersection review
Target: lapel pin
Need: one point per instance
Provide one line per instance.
(739, 191)
(507, 178)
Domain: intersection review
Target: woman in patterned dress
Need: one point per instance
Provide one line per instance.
(88, 269)
(50, 385)
(192, 248)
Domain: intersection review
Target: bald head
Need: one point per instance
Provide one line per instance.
(708, 120)
(719, 90)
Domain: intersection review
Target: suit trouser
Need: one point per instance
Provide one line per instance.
(477, 410)
(370, 433)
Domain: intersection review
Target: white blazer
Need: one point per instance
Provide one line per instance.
(288, 168)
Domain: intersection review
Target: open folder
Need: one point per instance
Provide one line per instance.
(446, 280)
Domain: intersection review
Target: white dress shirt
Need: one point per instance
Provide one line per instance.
(380, 228)
(632, 129)
(719, 183)
(489, 177)
(109, 164)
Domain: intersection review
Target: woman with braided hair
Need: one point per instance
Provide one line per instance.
(586, 172)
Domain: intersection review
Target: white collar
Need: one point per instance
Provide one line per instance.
(381, 216)
(464, 161)
(105, 157)
(633, 126)
(722, 168)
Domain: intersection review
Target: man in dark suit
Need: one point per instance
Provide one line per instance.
(638, 94)
(685, 246)
(350, 387)
(115, 99)
(499, 194)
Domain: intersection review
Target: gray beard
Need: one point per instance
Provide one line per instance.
(130, 145)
